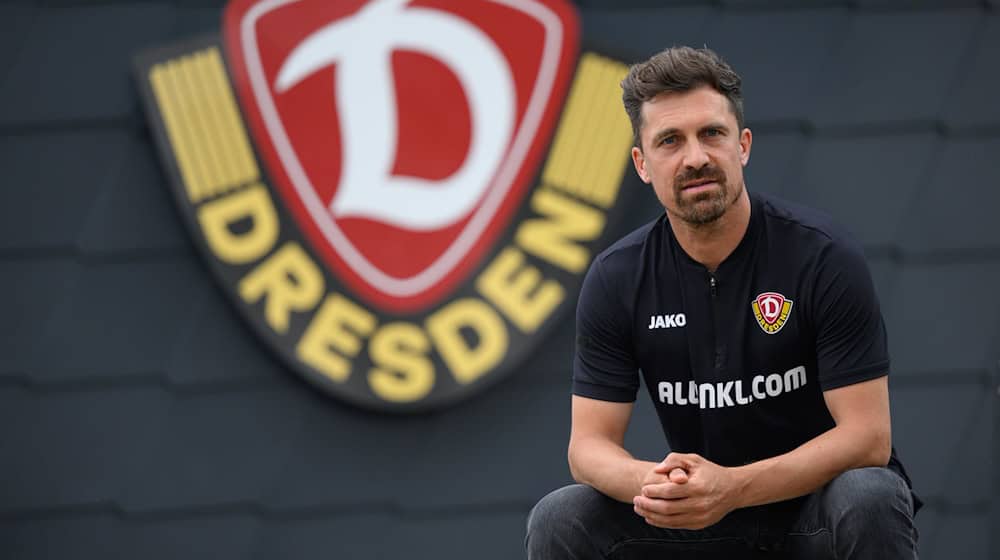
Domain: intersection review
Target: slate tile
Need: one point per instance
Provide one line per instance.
(916, 4)
(649, 30)
(779, 4)
(520, 450)
(136, 211)
(975, 454)
(884, 274)
(866, 184)
(108, 536)
(63, 73)
(120, 319)
(379, 536)
(196, 17)
(930, 422)
(348, 456)
(52, 182)
(928, 522)
(972, 102)
(957, 207)
(518, 443)
(965, 536)
(777, 79)
(16, 21)
(222, 449)
(72, 448)
(944, 317)
(775, 158)
(37, 288)
(879, 76)
(215, 344)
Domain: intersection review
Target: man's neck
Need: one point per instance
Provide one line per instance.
(710, 244)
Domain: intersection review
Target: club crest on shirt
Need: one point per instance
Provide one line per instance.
(771, 310)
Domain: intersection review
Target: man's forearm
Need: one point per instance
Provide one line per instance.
(810, 466)
(607, 467)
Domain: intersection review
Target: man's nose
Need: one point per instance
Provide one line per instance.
(695, 156)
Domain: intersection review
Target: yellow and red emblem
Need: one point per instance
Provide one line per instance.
(771, 310)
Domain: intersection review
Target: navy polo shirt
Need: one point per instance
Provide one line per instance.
(735, 361)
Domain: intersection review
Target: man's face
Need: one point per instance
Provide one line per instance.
(693, 153)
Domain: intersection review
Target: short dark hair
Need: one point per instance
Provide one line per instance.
(679, 69)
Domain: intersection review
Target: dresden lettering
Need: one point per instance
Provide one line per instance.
(724, 394)
(511, 292)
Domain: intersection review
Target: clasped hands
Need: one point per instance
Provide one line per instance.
(686, 491)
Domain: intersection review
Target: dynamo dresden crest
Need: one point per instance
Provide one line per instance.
(771, 310)
(399, 195)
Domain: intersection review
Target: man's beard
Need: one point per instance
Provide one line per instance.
(705, 208)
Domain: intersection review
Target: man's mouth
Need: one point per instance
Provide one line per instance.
(699, 184)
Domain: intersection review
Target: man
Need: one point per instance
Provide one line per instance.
(757, 331)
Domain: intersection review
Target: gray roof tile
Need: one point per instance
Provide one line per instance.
(916, 4)
(119, 319)
(930, 421)
(972, 102)
(52, 183)
(873, 81)
(961, 535)
(944, 317)
(62, 73)
(777, 79)
(76, 448)
(775, 158)
(39, 287)
(865, 184)
(215, 345)
(104, 535)
(489, 535)
(956, 208)
(137, 211)
(650, 30)
(778, 4)
(222, 449)
(16, 21)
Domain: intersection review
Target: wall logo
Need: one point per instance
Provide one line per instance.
(771, 310)
(399, 195)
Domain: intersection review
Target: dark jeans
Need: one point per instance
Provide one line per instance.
(862, 514)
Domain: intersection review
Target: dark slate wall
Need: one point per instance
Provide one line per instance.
(140, 418)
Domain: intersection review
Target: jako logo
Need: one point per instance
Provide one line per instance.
(667, 321)
(388, 189)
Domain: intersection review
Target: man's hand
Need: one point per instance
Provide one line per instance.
(686, 491)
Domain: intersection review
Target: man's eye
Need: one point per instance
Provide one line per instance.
(712, 132)
(668, 140)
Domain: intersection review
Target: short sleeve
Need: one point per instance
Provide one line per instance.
(851, 341)
(604, 367)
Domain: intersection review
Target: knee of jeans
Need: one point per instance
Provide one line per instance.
(860, 496)
(557, 510)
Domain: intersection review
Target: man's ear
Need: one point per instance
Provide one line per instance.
(639, 161)
(746, 139)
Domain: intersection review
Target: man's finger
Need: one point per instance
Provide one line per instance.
(678, 476)
(667, 491)
(684, 461)
(661, 506)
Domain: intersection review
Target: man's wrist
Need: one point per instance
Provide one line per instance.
(740, 478)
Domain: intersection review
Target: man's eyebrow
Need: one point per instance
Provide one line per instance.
(663, 134)
(718, 125)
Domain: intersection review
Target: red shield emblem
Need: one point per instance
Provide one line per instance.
(401, 135)
(770, 304)
(771, 310)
